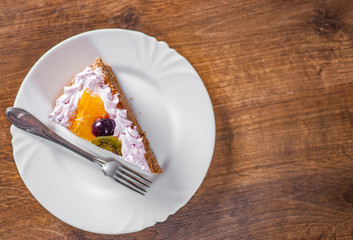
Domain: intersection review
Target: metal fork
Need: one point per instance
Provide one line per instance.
(111, 168)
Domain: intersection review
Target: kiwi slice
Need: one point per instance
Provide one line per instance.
(109, 143)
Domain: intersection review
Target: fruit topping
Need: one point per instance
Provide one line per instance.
(90, 108)
(103, 127)
(109, 143)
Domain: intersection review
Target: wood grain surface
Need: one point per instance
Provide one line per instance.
(279, 74)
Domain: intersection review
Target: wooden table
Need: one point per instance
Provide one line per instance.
(279, 74)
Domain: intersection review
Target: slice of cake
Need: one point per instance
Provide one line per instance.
(94, 108)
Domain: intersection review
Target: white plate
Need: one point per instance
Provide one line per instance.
(172, 106)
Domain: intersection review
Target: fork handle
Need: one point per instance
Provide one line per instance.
(27, 122)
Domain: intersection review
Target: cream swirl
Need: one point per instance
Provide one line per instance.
(133, 150)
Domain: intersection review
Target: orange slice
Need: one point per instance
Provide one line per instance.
(90, 109)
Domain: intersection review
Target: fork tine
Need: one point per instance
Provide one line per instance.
(122, 176)
(135, 173)
(116, 178)
(123, 171)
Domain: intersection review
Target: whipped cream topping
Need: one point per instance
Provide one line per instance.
(132, 149)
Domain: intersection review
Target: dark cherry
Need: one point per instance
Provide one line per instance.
(103, 127)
